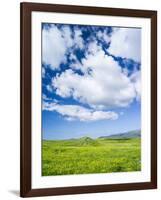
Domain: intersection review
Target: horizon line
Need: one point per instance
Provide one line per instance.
(72, 138)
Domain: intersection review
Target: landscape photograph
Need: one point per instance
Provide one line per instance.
(91, 99)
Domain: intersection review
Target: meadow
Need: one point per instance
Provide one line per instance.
(87, 156)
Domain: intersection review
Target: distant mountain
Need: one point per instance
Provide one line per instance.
(129, 134)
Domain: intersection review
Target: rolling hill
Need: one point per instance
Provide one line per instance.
(129, 134)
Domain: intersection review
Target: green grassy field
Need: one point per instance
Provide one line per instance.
(86, 155)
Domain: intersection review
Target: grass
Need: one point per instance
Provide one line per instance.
(86, 155)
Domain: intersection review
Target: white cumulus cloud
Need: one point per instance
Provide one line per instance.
(57, 42)
(53, 47)
(126, 43)
(103, 85)
(136, 79)
(75, 112)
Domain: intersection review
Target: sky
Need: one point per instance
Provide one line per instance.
(91, 80)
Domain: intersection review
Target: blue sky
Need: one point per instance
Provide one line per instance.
(91, 77)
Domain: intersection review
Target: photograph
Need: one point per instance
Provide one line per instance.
(91, 99)
(88, 99)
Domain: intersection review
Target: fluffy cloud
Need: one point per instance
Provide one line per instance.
(126, 43)
(103, 85)
(136, 79)
(75, 112)
(57, 42)
(103, 35)
(53, 47)
(78, 41)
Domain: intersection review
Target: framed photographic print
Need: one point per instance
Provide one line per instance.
(88, 99)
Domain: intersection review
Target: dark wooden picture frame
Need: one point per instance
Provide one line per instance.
(26, 85)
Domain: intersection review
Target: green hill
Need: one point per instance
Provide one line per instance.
(86, 141)
(125, 135)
